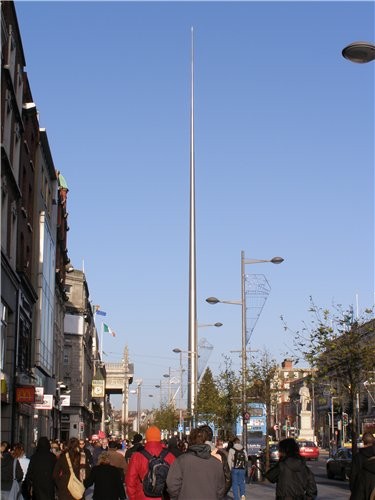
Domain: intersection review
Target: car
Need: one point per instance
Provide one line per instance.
(308, 450)
(274, 453)
(340, 464)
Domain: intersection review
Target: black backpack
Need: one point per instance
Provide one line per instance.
(239, 461)
(154, 482)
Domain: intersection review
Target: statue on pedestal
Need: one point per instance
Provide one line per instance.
(304, 396)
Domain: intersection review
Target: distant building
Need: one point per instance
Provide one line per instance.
(78, 358)
(285, 410)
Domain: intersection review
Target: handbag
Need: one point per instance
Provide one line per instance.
(75, 487)
(15, 492)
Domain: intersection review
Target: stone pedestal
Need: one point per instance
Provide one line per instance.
(306, 430)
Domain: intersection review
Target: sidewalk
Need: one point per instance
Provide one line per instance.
(257, 491)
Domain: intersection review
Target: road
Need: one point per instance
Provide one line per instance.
(328, 489)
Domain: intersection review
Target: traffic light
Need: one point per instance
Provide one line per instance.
(345, 418)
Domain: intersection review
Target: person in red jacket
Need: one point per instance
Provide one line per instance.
(138, 465)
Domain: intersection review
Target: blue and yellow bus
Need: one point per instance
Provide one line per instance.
(256, 427)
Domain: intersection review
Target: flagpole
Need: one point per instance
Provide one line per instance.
(101, 342)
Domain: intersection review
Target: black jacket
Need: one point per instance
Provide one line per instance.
(39, 473)
(294, 479)
(129, 452)
(362, 477)
(107, 482)
(7, 471)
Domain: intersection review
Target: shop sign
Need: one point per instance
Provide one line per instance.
(25, 394)
(4, 388)
(47, 403)
(65, 400)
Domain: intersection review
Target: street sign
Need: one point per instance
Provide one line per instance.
(180, 428)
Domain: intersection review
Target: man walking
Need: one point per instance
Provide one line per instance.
(139, 464)
(362, 477)
(237, 460)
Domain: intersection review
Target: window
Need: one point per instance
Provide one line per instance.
(4, 324)
(67, 355)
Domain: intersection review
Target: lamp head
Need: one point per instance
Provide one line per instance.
(212, 300)
(176, 349)
(277, 260)
(359, 52)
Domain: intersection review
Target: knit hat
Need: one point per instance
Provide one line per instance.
(153, 434)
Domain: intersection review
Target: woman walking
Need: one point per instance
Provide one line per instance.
(106, 479)
(294, 479)
(39, 473)
(61, 473)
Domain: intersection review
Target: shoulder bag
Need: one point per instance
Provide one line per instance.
(14, 493)
(75, 487)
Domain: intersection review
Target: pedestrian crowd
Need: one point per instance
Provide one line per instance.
(193, 468)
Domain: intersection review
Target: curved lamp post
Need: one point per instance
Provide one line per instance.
(359, 52)
(242, 303)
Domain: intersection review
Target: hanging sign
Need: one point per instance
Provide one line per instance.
(47, 403)
(25, 394)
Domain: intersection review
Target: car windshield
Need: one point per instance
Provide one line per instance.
(307, 443)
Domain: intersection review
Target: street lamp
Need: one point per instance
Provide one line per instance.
(242, 303)
(138, 392)
(168, 376)
(180, 419)
(359, 52)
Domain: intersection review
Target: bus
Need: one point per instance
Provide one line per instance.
(256, 428)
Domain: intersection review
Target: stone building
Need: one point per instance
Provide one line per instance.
(19, 142)
(32, 299)
(79, 357)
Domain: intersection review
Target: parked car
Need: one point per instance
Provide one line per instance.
(340, 464)
(274, 453)
(308, 450)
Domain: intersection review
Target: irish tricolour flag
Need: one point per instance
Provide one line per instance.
(106, 329)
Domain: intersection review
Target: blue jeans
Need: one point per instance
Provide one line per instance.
(238, 483)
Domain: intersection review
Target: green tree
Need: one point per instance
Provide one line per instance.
(208, 399)
(263, 370)
(342, 350)
(229, 407)
(166, 417)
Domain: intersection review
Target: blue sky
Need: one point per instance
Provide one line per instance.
(284, 144)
